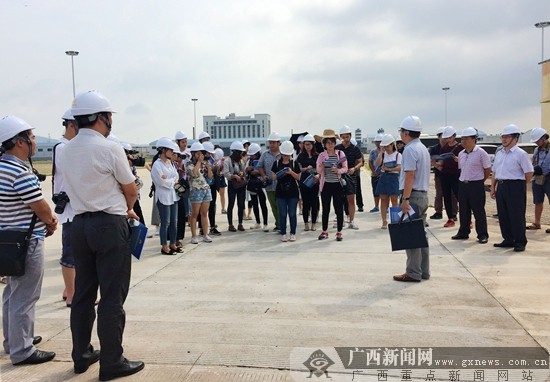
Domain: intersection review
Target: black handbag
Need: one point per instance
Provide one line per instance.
(13, 250)
(408, 234)
(348, 184)
(182, 188)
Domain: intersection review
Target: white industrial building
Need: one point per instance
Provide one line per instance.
(235, 127)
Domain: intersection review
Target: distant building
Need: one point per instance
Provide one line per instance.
(44, 148)
(237, 127)
(358, 135)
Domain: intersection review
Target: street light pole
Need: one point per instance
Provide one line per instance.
(542, 25)
(72, 53)
(445, 90)
(194, 115)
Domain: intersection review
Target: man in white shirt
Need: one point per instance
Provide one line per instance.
(102, 191)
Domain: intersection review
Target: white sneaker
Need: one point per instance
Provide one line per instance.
(266, 228)
(352, 225)
(149, 234)
(284, 238)
(194, 240)
(207, 239)
(256, 226)
(157, 232)
(292, 237)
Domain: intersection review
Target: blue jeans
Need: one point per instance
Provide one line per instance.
(287, 207)
(168, 222)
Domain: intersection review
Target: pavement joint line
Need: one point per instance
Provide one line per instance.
(486, 290)
(192, 366)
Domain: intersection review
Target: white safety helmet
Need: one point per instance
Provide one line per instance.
(378, 137)
(245, 141)
(300, 139)
(197, 146)
(448, 132)
(67, 115)
(236, 146)
(209, 147)
(218, 154)
(345, 130)
(114, 138)
(537, 133)
(254, 149)
(10, 126)
(203, 134)
(166, 143)
(287, 148)
(308, 138)
(411, 123)
(510, 129)
(274, 137)
(469, 132)
(180, 135)
(440, 130)
(90, 102)
(126, 146)
(387, 140)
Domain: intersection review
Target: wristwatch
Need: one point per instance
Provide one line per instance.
(409, 198)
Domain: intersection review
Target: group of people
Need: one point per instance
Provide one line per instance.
(186, 182)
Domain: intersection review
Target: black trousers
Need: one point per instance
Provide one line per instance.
(449, 185)
(335, 192)
(260, 199)
(182, 217)
(240, 195)
(101, 245)
(358, 192)
(310, 202)
(471, 198)
(139, 212)
(511, 199)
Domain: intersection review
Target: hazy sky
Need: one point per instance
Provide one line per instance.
(310, 64)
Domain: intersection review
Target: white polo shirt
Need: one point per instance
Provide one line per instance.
(93, 169)
(512, 164)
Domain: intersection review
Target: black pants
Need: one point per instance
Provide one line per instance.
(511, 199)
(182, 217)
(310, 202)
(240, 195)
(471, 198)
(139, 212)
(260, 199)
(449, 185)
(358, 192)
(335, 192)
(101, 245)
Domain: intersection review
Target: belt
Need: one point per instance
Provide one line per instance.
(471, 181)
(92, 214)
(501, 181)
(418, 191)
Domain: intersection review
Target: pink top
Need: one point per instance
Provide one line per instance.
(472, 165)
(320, 168)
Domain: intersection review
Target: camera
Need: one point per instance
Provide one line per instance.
(537, 170)
(60, 201)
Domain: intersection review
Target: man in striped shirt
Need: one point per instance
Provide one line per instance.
(21, 198)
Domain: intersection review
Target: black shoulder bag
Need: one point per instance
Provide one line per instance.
(13, 250)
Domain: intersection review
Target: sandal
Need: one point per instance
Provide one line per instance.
(384, 225)
(533, 226)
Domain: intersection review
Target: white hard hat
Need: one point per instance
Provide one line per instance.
(353, 141)
(537, 133)
(10, 126)
(287, 148)
(448, 132)
(209, 146)
(67, 115)
(345, 130)
(379, 137)
(114, 138)
(90, 102)
(440, 130)
(203, 134)
(254, 149)
(237, 145)
(166, 143)
(126, 146)
(197, 146)
(218, 154)
(469, 132)
(411, 123)
(387, 140)
(510, 129)
(308, 138)
(245, 141)
(300, 139)
(274, 137)
(180, 135)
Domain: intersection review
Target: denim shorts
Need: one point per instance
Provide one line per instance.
(200, 195)
(540, 190)
(67, 259)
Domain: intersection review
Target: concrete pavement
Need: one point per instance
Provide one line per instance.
(236, 309)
